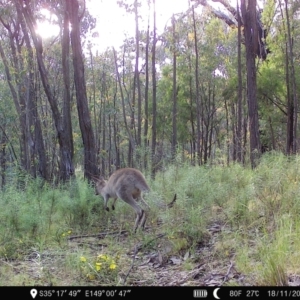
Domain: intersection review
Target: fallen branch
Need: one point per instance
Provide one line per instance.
(92, 246)
(228, 272)
(99, 235)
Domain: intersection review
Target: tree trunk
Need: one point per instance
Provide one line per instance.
(198, 106)
(239, 133)
(293, 101)
(192, 119)
(290, 106)
(153, 144)
(88, 139)
(104, 128)
(137, 85)
(131, 140)
(65, 53)
(146, 107)
(251, 44)
(116, 138)
(174, 110)
(227, 132)
(233, 130)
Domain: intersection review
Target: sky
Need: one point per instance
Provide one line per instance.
(113, 21)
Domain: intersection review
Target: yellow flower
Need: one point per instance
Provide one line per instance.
(112, 266)
(98, 266)
(63, 234)
(90, 276)
(70, 231)
(83, 259)
(102, 256)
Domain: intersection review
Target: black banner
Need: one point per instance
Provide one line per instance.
(78, 292)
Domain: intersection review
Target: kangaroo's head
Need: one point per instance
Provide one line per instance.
(99, 185)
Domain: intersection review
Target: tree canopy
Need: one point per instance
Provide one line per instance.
(218, 85)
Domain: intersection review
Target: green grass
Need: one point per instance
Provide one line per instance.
(56, 235)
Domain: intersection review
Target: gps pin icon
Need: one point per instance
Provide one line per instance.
(33, 293)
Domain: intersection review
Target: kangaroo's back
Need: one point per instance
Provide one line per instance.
(128, 178)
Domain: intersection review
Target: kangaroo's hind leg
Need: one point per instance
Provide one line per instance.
(113, 204)
(138, 196)
(143, 220)
(140, 214)
(142, 200)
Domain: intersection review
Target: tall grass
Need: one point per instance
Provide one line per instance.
(258, 211)
(260, 206)
(38, 212)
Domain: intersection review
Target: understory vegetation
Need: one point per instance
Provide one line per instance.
(63, 236)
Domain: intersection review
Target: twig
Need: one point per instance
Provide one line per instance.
(137, 248)
(228, 271)
(92, 246)
(100, 235)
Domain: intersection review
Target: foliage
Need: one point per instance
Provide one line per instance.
(103, 268)
(258, 209)
(41, 215)
(218, 97)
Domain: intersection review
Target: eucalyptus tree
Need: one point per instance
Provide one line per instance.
(20, 74)
(289, 22)
(254, 40)
(66, 163)
(135, 94)
(88, 139)
(137, 83)
(251, 43)
(238, 142)
(197, 118)
(154, 96)
(123, 92)
(147, 75)
(9, 132)
(279, 79)
(198, 100)
(106, 109)
(175, 91)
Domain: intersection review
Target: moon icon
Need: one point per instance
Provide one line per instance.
(215, 293)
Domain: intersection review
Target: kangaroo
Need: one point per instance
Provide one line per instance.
(128, 185)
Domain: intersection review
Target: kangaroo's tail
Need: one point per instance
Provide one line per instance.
(169, 205)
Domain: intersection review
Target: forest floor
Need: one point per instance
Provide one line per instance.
(146, 266)
(206, 270)
(146, 262)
